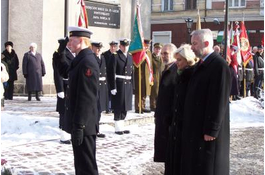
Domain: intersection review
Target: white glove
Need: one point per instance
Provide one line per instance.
(113, 91)
(60, 94)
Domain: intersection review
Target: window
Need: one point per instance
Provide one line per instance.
(161, 37)
(191, 4)
(237, 3)
(167, 5)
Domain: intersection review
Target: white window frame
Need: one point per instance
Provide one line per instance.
(239, 4)
(167, 34)
(168, 5)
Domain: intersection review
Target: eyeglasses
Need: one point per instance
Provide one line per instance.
(164, 53)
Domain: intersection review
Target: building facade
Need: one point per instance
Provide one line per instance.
(44, 22)
(168, 18)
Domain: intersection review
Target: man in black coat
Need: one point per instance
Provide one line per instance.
(113, 46)
(121, 85)
(61, 86)
(83, 98)
(258, 71)
(11, 60)
(103, 100)
(164, 103)
(206, 130)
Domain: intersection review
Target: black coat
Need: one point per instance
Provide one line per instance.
(12, 63)
(33, 67)
(249, 71)
(207, 113)
(61, 84)
(120, 65)
(258, 64)
(83, 92)
(163, 112)
(103, 87)
(173, 159)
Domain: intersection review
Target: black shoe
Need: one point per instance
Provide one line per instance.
(65, 142)
(119, 132)
(146, 110)
(38, 99)
(126, 132)
(137, 111)
(237, 97)
(100, 135)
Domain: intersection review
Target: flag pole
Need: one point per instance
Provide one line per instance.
(139, 76)
(225, 28)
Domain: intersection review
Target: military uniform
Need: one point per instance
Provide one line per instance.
(258, 72)
(121, 81)
(145, 84)
(83, 109)
(157, 72)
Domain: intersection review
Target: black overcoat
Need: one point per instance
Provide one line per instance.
(163, 112)
(33, 66)
(207, 112)
(120, 65)
(12, 62)
(61, 84)
(83, 92)
(173, 158)
(103, 86)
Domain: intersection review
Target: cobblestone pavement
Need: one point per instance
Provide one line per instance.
(125, 155)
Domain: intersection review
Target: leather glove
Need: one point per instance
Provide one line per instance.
(113, 91)
(60, 94)
(63, 43)
(26, 75)
(77, 136)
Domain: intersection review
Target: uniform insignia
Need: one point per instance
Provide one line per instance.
(88, 72)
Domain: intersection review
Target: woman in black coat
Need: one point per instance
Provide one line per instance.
(11, 60)
(185, 60)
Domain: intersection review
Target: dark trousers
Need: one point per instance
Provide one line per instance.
(119, 115)
(9, 90)
(85, 157)
(258, 85)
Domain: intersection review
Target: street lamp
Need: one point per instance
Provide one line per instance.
(189, 23)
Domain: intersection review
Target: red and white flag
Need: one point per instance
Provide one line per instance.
(82, 19)
(244, 43)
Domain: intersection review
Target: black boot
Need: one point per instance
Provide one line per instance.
(37, 96)
(29, 96)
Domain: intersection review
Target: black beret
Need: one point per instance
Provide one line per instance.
(147, 41)
(260, 47)
(9, 43)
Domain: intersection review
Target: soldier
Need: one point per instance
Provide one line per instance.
(157, 70)
(83, 98)
(121, 85)
(145, 81)
(103, 87)
(107, 55)
(61, 86)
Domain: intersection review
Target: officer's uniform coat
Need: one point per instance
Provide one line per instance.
(83, 92)
(103, 87)
(120, 65)
(33, 66)
(206, 111)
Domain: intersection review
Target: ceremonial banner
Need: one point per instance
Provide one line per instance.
(82, 19)
(236, 43)
(244, 43)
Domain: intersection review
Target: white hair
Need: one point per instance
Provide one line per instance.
(204, 35)
(33, 45)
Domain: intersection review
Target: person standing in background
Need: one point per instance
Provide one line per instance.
(4, 78)
(258, 71)
(164, 103)
(157, 72)
(33, 69)
(11, 60)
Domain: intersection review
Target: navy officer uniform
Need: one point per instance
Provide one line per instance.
(121, 85)
(83, 96)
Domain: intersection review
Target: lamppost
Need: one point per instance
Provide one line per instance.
(189, 23)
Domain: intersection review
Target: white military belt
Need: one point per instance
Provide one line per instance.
(65, 78)
(126, 77)
(102, 78)
(249, 69)
(260, 68)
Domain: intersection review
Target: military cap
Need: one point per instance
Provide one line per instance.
(159, 45)
(260, 47)
(79, 31)
(147, 41)
(97, 44)
(113, 43)
(125, 42)
(8, 43)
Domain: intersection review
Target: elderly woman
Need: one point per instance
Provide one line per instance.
(33, 70)
(185, 60)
